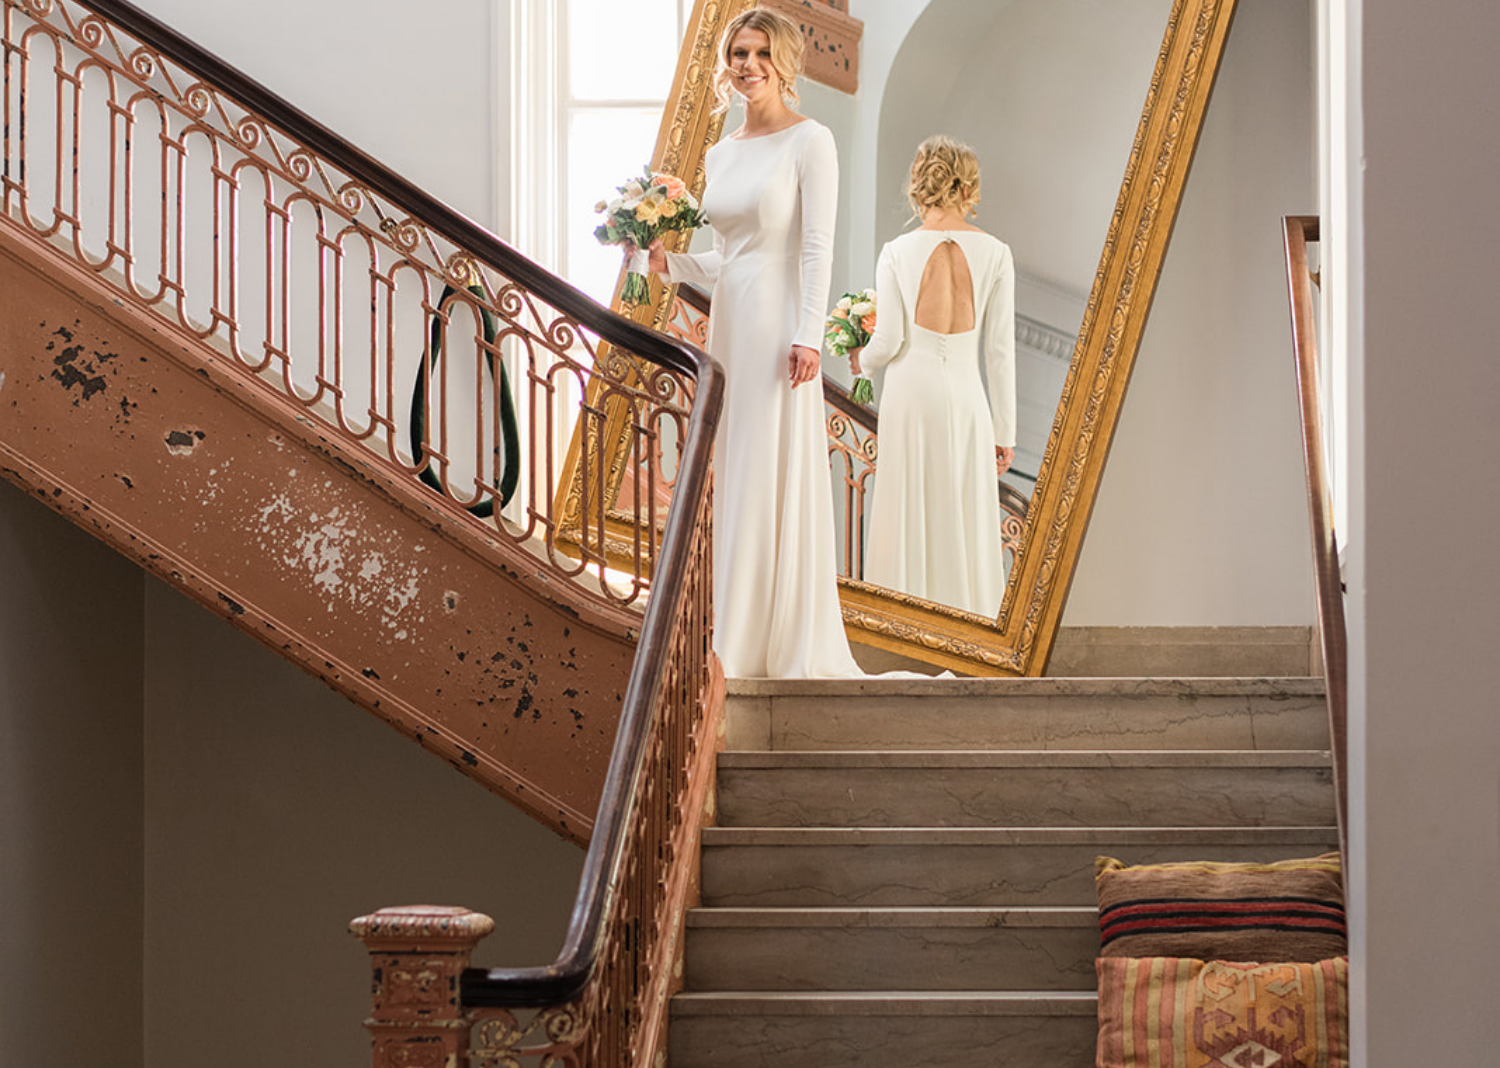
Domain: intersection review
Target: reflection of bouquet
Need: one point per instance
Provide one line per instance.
(646, 208)
(850, 325)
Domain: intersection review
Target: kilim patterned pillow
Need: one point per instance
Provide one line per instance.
(1292, 910)
(1167, 1012)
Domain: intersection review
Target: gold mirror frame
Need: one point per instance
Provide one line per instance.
(1020, 641)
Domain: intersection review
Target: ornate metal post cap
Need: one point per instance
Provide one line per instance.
(413, 925)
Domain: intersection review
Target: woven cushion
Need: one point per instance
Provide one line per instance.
(1167, 1012)
(1292, 910)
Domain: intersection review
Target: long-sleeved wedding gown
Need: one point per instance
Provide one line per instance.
(934, 520)
(772, 201)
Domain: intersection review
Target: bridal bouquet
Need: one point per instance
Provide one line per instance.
(647, 208)
(849, 327)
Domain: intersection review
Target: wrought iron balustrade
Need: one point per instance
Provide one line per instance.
(379, 314)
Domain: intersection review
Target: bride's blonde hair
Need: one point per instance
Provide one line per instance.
(944, 174)
(786, 51)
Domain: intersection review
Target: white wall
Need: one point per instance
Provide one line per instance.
(422, 95)
(1423, 583)
(71, 810)
(1202, 515)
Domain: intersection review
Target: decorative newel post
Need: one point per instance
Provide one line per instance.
(417, 954)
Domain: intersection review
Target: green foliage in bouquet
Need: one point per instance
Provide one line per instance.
(647, 208)
(849, 327)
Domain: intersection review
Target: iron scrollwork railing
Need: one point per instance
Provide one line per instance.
(204, 200)
(853, 448)
(207, 202)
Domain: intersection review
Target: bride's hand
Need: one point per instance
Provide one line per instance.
(803, 364)
(656, 255)
(1004, 457)
(854, 368)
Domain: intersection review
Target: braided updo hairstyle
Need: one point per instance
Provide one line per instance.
(944, 174)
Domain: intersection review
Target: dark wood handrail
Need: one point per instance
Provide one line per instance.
(566, 976)
(1011, 499)
(1298, 231)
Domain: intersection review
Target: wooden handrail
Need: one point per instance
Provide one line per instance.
(1298, 231)
(566, 977)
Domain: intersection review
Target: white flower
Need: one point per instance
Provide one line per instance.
(870, 295)
(863, 308)
(633, 189)
(844, 303)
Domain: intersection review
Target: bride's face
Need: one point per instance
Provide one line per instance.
(750, 68)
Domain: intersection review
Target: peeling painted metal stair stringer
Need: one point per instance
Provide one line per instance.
(150, 439)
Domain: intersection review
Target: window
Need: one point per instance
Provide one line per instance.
(592, 79)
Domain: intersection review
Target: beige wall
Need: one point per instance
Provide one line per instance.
(276, 812)
(1424, 586)
(188, 823)
(71, 809)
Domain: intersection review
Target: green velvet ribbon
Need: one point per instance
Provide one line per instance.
(511, 472)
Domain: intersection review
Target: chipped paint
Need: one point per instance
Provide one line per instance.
(352, 571)
(76, 369)
(183, 442)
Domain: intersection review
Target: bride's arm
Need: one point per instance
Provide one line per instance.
(818, 184)
(890, 317)
(1000, 351)
(697, 268)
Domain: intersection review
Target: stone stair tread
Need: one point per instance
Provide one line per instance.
(950, 916)
(1103, 686)
(1022, 758)
(886, 1003)
(995, 836)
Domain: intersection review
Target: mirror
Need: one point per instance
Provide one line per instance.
(1048, 92)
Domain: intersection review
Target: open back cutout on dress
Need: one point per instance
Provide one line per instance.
(945, 296)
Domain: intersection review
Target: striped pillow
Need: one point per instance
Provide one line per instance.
(1167, 1012)
(1292, 910)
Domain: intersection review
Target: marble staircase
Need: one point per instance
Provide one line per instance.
(902, 873)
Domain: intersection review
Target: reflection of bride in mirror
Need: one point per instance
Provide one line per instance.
(945, 298)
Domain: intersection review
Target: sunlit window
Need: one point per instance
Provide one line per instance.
(616, 74)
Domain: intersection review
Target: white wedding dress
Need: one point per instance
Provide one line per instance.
(772, 201)
(934, 520)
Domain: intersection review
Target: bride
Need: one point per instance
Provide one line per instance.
(771, 197)
(946, 297)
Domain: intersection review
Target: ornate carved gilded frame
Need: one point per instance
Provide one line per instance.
(1020, 640)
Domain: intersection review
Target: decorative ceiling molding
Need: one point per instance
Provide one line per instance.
(1045, 340)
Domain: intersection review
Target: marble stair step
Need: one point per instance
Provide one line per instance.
(880, 1029)
(1030, 714)
(1000, 867)
(885, 949)
(1015, 788)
